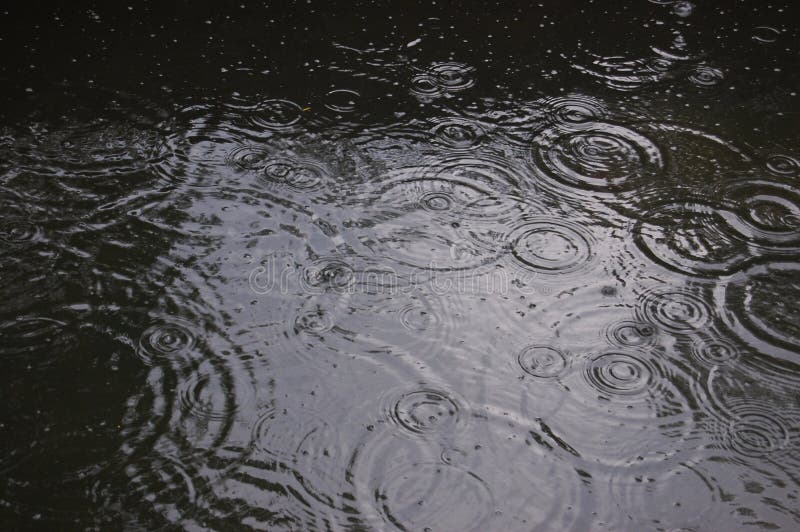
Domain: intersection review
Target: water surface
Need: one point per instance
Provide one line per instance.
(355, 266)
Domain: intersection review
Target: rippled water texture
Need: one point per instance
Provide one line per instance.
(372, 266)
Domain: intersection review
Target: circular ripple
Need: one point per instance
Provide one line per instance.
(770, 211)
(16, 231)
(761, 306)
(248, 157)
(195, 411)
(499, 181)
(190, 407)
(620, 375)
(712, 351)
(458, 133)
(342, 100)
(423, 188)
(290, 437)
(311, 451)
(436, 245)
(542, 361)
(298, 174)
(755, 432)
(624, 74)
(436, 201)
(205, 396)
(757, 428)
(391, 317)
(524, 455)
(452, 76)
(598, 157)
(276, 114)
(706, 76)
(327, 274)
(416, 317)
(483, 188)
(550, 246)
(754, 418)
(783, 165)
(630, 333)
(691, 238)
(575, 110)
(675, 310)
(635, 408)
(317, 321)
(658, 64)
(428, 496)
(425, 86)
(593, 314)
(170, 339)
(765, 34)
(634, 402)
(425, 412)
(379, 316)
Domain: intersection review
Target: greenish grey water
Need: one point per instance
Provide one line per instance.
(356, 266)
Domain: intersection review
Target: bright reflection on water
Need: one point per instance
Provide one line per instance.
(524, 267)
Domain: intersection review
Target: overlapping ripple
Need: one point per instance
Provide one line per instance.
(405, 484)
(713, 351)
(98, 148)
(425, 411)
(631, 333)
(361, 285)
(753, 421)
(480, 186)
(692, 238)
(684, 493)
(770, 211)
(442, 78)
(327, 274)
(542, 361)
(298, 174)
(458, 133)
(705, 76)
(757, 430)
(446, 216)
(170, 337)
(783, 165)
(615, 374)
(635, 403)
(448, 496)
(633, 74)
(760, 306)
(575, 111)
(16, 232)
(550, 246)
(275, 114)
(309, 459)
(598, 156)
(677, 310)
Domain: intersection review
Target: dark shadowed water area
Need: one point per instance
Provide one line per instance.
(400, 265)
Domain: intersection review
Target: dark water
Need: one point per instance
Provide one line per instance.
(447, 266)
